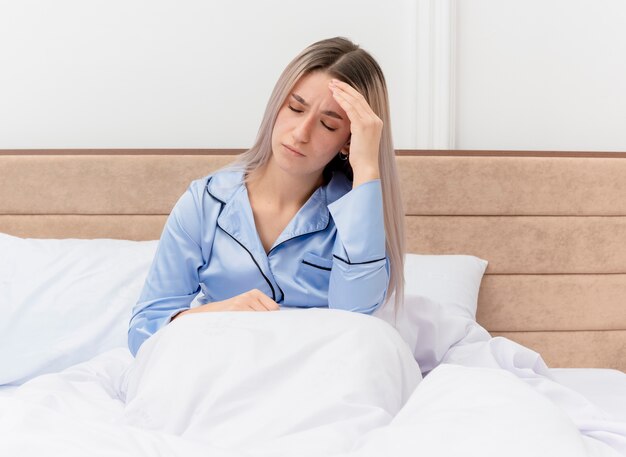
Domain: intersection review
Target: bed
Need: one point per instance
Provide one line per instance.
(512, 339)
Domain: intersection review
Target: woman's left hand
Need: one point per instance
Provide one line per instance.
(366, 129)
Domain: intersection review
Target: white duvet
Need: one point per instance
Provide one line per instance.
(313, 382)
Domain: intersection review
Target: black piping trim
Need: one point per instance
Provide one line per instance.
(316, 266)
(246, 249)
(297, 236)
(253, 259)
(281, 292)
(209, 192)
(357, 263)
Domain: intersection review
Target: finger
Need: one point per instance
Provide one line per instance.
(348, 107)
(360, 112)
(256, 305)
(267, 303)
(347, 88)
(270, 304)
(354, 97)
(360, 108)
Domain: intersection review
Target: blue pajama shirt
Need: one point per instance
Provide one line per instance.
(330, 255)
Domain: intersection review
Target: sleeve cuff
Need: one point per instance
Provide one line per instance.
(358, 216)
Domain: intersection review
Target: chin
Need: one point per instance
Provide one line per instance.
(291, 167)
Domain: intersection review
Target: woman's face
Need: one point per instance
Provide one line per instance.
(310, 129)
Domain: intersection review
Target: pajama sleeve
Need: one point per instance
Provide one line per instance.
(172, 281)
(360, 273)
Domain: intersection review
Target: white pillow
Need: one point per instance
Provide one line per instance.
(445, 278)
(440, 301)
(65, 301)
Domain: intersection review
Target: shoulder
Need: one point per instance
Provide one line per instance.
(220, 185)
(210, 191)
(202, 202)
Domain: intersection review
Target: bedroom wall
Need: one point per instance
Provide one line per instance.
(176, 74)
(467, 74)
(537, 74)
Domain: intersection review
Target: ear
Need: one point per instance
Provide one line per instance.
(346, 147)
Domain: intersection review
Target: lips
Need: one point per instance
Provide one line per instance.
(295, 151)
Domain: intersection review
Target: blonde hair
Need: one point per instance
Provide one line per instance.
(346, 61)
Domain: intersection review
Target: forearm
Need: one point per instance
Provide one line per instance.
(147, 321)
(358, 287)
(360, 273)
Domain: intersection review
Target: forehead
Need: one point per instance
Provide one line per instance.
(314, 91)
(313, 87)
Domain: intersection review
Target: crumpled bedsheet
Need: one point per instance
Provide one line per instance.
(308, 383)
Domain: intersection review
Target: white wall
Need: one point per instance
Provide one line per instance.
(541, 75)
(177, 73)
(500, 74)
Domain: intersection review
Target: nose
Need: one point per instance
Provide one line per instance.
(302, 131)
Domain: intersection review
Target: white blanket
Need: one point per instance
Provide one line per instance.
(307, 383)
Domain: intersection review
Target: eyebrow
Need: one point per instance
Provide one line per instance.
(327, 113)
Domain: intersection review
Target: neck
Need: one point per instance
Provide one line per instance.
(280, 189)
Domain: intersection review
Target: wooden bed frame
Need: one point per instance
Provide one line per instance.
(551, 225)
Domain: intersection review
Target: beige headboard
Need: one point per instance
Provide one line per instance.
(552, 226)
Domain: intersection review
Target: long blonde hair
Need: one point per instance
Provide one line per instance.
(346, 61)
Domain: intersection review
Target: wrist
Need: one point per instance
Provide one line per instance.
(364, 175)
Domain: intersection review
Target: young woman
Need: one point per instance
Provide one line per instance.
(310, 216)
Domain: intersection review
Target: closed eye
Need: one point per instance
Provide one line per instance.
(300, 111)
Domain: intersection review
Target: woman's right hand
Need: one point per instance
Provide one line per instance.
(253, 300)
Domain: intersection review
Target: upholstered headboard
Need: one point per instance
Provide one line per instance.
(551, 225)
